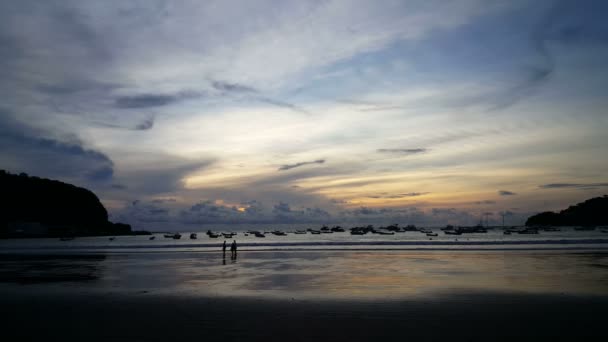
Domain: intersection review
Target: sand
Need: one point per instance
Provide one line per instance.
(463, 317)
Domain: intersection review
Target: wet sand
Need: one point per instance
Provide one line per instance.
(306, 296)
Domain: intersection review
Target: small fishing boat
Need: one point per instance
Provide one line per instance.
(431, 234)
(177, 236)
(193, 236)
(152, 237)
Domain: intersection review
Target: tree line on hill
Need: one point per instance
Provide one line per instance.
(592, 212)
(38, 207)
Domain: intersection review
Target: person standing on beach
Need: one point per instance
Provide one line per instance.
(224, 248)
(233, 248)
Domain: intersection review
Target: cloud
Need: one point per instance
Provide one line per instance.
(144, 101)
(139, 213)
(232, 87)
(145, 125)
(250, 212)
(282, 104)
(572, 185)
(506, 193)
(159, 174)
(484, 202)
(293, 166)
(37, 152)
(409, 194)
(402, 150)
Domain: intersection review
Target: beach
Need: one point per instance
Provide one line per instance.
(306, 295)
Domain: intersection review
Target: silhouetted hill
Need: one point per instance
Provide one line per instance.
(592, 212)
(35, 206)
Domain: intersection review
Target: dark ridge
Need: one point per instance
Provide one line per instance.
(38, 207)
(592, 212)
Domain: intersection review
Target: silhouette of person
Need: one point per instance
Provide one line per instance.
(233, 248)
(224, 248)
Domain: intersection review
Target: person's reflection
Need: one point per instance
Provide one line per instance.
(224, 259)
(233, 258)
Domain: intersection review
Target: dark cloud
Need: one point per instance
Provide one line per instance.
(292, 166)
(232, 87)
(572, 185)
(506, 193)
(139, 213)
(402, 150)
(145, 101)
(118, 186)
(36, 152)
(253, 212)
(145, 125)
(151, 100)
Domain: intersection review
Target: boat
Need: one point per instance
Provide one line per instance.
(112, 238)
(452, 232)
(228, 235)
(300, 232)
(213, 235)
(169, 236)
(528, 231)
(177, 236)
(152, 237)
(431, 234)
(278, 233)
(315, 232)
(259, 235)
(358, 232)
(380, 232)
(193, 236)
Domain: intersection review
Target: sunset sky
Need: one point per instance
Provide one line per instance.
(425, 112)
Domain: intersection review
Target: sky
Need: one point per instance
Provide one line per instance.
(207, 112)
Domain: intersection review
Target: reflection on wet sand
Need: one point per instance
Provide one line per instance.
(327, 274)
(41, 269)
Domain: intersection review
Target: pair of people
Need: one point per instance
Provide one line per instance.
(232, 248)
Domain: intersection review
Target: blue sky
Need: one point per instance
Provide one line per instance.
(427, 112)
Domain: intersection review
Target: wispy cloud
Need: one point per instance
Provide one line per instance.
(144, 101)
(506, 193)
(572, 185)
(402, 150)
(152, 100)
(484, 202)
(232, 87)
(409, 194)
(293, 166)
(283, 104)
